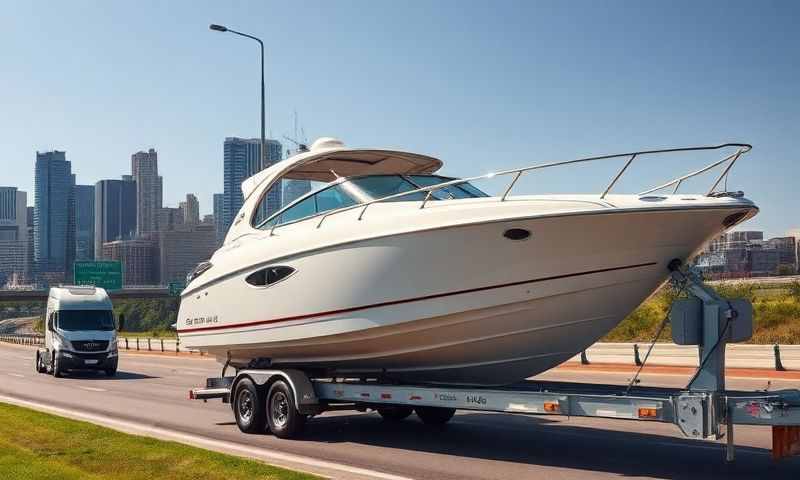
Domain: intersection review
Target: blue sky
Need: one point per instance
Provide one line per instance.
(483, 85)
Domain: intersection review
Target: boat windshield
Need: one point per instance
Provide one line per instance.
(379, 186)
(76, 320)
(368, 188)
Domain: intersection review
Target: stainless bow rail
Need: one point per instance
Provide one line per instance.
(729, 161)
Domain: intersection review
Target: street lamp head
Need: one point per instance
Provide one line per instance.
(218, 28)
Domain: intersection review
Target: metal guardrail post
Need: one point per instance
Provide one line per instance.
(137, 344)
(778, 364)
(162, 345)
(584, 359)
(636, 359)
(149, 349)
(126, 343)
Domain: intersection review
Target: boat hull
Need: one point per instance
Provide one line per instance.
(458, 304)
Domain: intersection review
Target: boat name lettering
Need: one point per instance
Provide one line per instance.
(447, 397)
(476, 399)
(202, 320)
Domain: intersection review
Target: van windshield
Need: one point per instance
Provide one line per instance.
(75, 320)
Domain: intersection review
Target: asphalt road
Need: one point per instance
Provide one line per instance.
(149, 396)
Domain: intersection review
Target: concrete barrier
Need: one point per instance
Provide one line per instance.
(737, 355)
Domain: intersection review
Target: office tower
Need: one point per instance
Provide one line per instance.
(181, 249)
(295, 189)
(218, 220)
(84, 222)
(190, 209)
(168, 218)
(114, 212)
(149, 186)
(139, 259)
(242, 160)
(54, 232)
(13, 235)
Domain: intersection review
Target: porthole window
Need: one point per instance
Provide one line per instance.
(269, 275)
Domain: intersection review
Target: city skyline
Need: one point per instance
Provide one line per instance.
(476, 88)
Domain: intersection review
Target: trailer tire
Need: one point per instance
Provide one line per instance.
(394, 413)
(248, 407)
(435, 415)
(282, 416)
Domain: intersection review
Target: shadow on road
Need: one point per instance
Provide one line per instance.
(93, 375)
(534, 441)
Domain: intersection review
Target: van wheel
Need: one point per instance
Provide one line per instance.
(392, 413)
(248, 407)
(282, 415)
(40, 368)
(435, 415)
(57, 371)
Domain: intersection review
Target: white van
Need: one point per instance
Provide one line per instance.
(80, 333)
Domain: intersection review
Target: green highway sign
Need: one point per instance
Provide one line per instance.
(175, 288)
(103, 274)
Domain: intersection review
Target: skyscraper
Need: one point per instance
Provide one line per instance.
(52, 200)
(114, 212)
(13, 234)
(84, 222)
(191, 209)
(149, 189)
(242, 160)
(218, 220)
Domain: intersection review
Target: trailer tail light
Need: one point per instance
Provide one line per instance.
(648, 412)
(191, 394)
(785, 441)
(386, 396)
(551, 407)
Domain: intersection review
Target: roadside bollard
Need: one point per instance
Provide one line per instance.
(126, 343)
(148, 346)
(584, 360)
(778, 364)
(636, 359)
(162, 345)
(137, 344)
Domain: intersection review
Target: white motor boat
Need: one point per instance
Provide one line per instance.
(390, 270)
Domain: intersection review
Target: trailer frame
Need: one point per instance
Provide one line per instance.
(704, 409)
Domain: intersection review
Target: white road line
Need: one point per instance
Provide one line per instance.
(18, 375)
(92, 389)
(286, 460)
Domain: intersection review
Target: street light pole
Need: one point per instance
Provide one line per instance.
(221, 28)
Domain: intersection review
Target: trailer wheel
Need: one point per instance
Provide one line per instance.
(435, 415)
(248, 407)
(282, 415)
(394, 413)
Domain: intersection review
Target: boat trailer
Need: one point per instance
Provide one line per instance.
(704, 409)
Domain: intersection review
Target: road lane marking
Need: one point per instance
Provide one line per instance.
(18, 375)
(286, 460)
(92, 389)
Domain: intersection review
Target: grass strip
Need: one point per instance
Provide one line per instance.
(35, 445)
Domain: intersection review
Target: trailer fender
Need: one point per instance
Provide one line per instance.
(304, 396)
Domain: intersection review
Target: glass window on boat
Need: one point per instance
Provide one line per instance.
(331, 198)
(379, 186)
(461, 190)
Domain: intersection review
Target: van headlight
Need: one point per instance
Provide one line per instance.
(61, 343)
